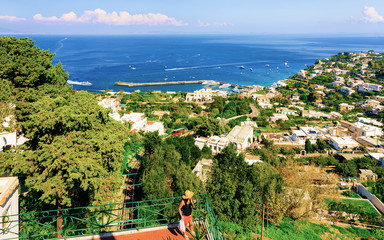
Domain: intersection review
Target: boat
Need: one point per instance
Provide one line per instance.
(225, 85)
(210, 82)
(133, 68)
(88, 84)
(242, 67)
(137, 91)
(277, 68)
(286, 63)
(251, 69)
(267, 65)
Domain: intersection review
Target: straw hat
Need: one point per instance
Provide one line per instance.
(187, 194)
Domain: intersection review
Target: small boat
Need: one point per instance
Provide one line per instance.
(267, 65)
(210, 82)
(286, 63)
(236, 89)
(242, 67)
(137, 91)
(225, 85)
(88, 84)
(133, 68)
(277, 68)
(251, 69)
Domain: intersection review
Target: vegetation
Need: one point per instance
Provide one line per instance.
(73, 143)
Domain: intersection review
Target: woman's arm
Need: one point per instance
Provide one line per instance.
(193, 204)
(180, 206)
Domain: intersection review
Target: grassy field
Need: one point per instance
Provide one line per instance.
(352, 206)
(300, 230)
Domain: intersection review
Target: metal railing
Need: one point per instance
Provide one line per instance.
(93, 220)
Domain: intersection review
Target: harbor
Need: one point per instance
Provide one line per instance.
(207, 83)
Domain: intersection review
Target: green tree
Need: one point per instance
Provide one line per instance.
(308, 146)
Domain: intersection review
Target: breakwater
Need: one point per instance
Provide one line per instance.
(132, 84)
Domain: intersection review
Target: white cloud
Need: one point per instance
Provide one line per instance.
(11, 18)
(216, 24)
(370, 15)
(113, 18)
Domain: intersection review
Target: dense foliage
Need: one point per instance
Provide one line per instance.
(72, 141)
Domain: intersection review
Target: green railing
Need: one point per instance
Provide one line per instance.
(93, 220)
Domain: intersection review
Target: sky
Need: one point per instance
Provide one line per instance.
(124, 17)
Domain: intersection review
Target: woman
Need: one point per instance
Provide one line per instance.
(185, 211)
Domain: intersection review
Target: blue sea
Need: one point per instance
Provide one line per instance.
(103, 60)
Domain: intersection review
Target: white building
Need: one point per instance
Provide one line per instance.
(215, 143)
(265, 105)
(137, 120)
(369, 120)
(9, 205)
(299, 136)
(286, 111)
(242, 137)
(342, 142)
(346, 107)
(314, 114)
(204, 95)
(251, 159)
(347, 90)
(109, 103)
(154, 126)
(370, 87)
(277, 116)
(8, 139)
(115, 116)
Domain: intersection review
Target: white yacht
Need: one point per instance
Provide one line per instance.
(225, 85)
(88, 84)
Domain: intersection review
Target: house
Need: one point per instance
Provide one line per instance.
(251, 159)
(265, 105)
(366, 174)
(160, 114)
(9, 206)
(355, 83)
(295, 97)
(342, 142)
(301, 74)
(8, 140)
(205, 95)
(215, 143)
(370, 87)
(138, 120)
(378, 98)
(277, 116)
(340, 71)
(379, 157)
(241, 136)
(115, 116)
(249, 123)
(335, 115)
(370, 103)
(109, 103)
(202, 169)
(286, 111)
(346, 107)
(337, 84)
(369, 120)
(346, 90)
(314, 114)
(299, 136)
(360, 129)
(152, 126)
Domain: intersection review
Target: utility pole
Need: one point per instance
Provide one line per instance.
(262, 223)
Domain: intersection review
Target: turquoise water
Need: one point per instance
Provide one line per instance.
(103, 60)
